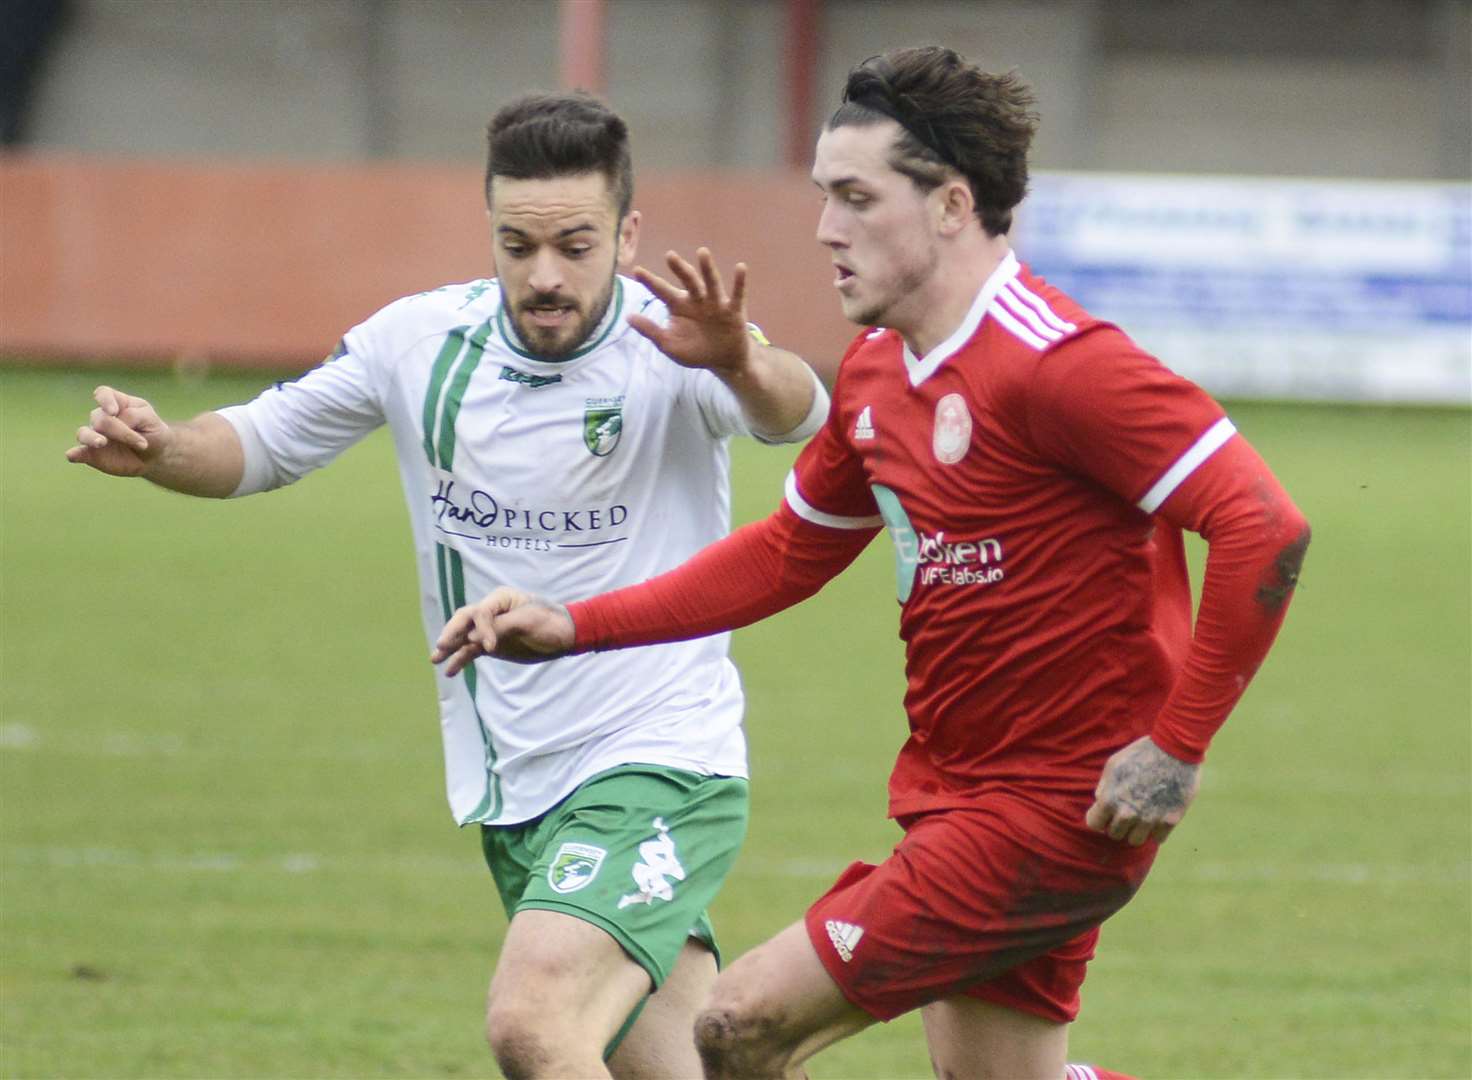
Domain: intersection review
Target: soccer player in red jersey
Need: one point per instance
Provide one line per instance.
(1035, 469)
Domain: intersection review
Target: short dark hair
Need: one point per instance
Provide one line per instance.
(541, 136)
(952, 115)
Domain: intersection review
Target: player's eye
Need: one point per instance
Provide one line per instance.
(516, 251)
(577, 251)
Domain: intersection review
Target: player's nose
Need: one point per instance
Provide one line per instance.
(830, 232)
(546, 272)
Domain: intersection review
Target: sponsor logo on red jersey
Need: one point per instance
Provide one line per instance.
(940, 561)
(935, 559)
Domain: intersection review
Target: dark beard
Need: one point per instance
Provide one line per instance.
(531, 336)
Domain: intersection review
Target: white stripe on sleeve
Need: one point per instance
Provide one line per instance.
(1186, 464)
(1040, 305)
(802, 509)
(1012, 323)
(1028, 314)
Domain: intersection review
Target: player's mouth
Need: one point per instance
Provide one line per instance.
(549, 316)
(842, 275)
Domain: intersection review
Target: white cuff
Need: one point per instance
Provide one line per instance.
(810, 424)
(258, 475)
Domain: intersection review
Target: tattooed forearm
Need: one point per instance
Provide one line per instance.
(1281, 578)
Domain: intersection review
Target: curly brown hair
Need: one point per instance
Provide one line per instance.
(952, 116)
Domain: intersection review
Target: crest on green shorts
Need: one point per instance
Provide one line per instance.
(602, 426)
(574, 866)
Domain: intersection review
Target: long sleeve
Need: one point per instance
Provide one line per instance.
(755, 572)
(1256, 540)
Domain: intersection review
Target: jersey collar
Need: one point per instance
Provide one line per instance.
(600, 333)
(921, 368)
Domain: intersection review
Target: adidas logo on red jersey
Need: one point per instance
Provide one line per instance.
(864, 426)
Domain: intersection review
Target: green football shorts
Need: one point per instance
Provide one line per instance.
(639, 851)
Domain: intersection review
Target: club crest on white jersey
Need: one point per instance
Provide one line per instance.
(603, 424)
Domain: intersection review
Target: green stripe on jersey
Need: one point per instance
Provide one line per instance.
(439, 558)
(490, 806)
(442, 400)
(454, 342)
(456, 394)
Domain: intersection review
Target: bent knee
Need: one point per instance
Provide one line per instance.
(524, 1041)
(715, 1031)
(737, 1041)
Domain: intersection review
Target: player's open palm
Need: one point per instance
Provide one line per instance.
(122, 437)
(707, 327)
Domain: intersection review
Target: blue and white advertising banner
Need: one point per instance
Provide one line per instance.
(1266, 288)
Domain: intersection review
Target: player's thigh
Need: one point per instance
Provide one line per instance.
(780, 995)
(563, 977)
(661, 1042)
(966, 897)
(971, 1039)
(636, 854)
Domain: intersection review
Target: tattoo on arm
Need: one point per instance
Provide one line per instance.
(1155, 784)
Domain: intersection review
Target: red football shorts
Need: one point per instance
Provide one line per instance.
(1001, 901)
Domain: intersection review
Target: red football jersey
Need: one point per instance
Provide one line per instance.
(1019, 468)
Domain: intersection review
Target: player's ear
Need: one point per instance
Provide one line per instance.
(955, 206)
(628, 239)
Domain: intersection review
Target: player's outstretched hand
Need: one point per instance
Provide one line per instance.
(707, 327)
(1142, 794)
(122, 437)
(508, 624)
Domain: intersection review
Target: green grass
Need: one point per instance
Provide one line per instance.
(224, 849)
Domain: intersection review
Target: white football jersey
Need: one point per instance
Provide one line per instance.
(565, 478)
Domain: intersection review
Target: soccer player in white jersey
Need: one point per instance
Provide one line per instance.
(564, 425)
(1035, 469)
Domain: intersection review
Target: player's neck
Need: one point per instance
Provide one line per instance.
(941, 305)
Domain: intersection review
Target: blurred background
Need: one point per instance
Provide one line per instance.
(223, 845)
(1332, 88)
(1273, 197)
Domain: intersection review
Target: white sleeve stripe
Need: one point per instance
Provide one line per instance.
(1008, 320)
(1038, 304)
(1186, 464)
(802, 509)
(1034, 321)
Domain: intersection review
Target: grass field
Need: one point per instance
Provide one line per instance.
(224, 849)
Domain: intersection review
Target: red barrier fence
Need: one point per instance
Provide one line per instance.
(137, 261)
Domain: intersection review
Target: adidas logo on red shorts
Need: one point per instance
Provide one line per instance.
(845, 937)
